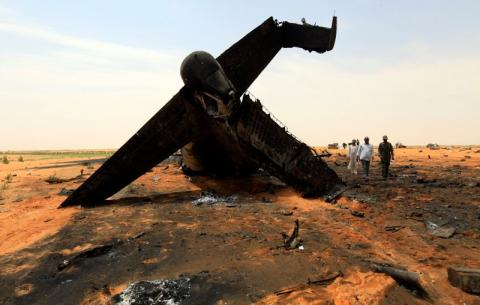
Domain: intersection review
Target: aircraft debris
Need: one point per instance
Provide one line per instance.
(321, 281)
(467, 279)
(221, 129)
(96, 251)
(324, 153)
(65, 192)
(171, 292)
(393, 228)
(405, 278)
(92, 252)
(325, 280)
(334, 195)
(292, 241)
(357, 213)
(211, 198)
(438, 230)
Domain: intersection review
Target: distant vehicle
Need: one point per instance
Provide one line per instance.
(333, 146)
(400, 145)
(433, 146)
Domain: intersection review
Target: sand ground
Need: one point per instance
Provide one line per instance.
(157, 233)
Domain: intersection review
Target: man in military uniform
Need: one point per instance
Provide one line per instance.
(385, 151)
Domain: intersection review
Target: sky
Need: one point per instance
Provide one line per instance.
(88, 74)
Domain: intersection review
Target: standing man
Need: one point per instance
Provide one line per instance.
(385, 151)
(352, 155)
(365, 155)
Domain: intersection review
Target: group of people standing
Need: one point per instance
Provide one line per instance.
(364, 153)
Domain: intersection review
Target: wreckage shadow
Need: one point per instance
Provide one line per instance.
(160, 198)
(252, 184)
(130, 240)
(118, 259)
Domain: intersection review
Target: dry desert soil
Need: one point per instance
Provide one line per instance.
(232, 249)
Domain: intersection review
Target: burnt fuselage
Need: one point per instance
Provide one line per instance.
(220, 133)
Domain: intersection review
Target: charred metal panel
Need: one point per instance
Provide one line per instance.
(242, 63)
(247, 58)
(309, 37)
(257, 128)
(220, 154)
(282, 154)
(176, 124)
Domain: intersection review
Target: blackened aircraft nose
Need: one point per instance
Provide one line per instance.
(201, 71)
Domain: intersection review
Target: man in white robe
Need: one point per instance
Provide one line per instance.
(352, 155)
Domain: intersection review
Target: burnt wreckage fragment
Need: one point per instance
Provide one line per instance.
(220, 129)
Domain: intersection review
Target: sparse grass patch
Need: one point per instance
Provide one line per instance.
(87, 164)
(8, 178)
(50, 154)
(53, 179)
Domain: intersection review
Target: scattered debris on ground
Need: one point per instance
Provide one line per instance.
(162, 235)
(211, 198)
(467, 279)
(323, 154)
(292, 241)
(65, 192)
(334, 195)
(157, 292)
(393, 228)
(92, 252)
(438, 230)
(325, 280)
(407, 279)
(357, 213)
(322, 281)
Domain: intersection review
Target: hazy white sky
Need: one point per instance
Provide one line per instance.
(89, 74)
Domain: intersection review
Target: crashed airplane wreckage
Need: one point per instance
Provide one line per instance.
(220, 129)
